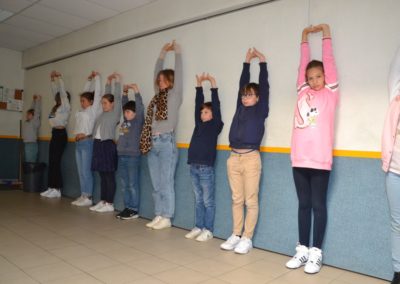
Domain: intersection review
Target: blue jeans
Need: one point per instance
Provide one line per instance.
(83, 155)
(162, 160)
(128, 170)
(393, 194)
(203, 178)
(31, 152)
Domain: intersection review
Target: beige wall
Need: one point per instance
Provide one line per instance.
(365, 37)
(11, 76)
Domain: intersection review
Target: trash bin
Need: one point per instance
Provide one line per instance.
(33, 174)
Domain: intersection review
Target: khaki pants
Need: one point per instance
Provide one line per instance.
(244, 172)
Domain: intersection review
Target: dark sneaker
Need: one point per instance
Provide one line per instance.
(122, 213)
(129, 214)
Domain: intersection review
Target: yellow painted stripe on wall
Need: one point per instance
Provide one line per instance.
(282, 150)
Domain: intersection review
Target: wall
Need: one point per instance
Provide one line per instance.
(358, 215)
(11, 76)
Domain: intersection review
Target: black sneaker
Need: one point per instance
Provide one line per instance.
(122, 213)
(129, 214)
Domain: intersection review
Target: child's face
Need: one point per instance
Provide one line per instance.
(106, 105)
(162, 82)
(129, 114)
(29, 116)
(206, 114)
(250, 98)
(85, 103)
(316, 78)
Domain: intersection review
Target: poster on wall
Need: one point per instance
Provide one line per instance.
(11, 99)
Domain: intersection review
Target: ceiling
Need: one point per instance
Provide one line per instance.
(32, 22)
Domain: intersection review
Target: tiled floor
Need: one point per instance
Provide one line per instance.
(49, 241)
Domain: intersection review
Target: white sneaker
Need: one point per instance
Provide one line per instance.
(77, 200)
(299, 259)
(97, 206)
(84, 201)
(45, 193)
(244, 246)
(153, 222)
(107, 207)
(55, 193)
(162, 224)
(204, 236)
(195, 232)
(314, 262)
(230, 243)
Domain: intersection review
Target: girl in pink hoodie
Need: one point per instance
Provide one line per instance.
(312, 144)
(391, 161)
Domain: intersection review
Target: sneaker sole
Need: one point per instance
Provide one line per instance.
(129, 218)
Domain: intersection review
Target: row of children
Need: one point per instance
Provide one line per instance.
(154, 135)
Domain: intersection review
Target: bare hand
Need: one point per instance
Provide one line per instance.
(250, 55)
(134, 87)
(258, 54)
(212, 81)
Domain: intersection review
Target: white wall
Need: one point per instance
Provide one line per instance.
(11, 76)
(365, 37)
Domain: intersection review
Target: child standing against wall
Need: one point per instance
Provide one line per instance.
(129, 152)
(105, 158)
(391, 161)
(244, 164)
(202, 154)
(85, 118)
(158, 136)
(58, 119)
(30, 128)
(312, 144)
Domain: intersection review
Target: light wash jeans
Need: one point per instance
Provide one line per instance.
(203, 179)
(393, 194)
(83, 154)
(128, 171)
(162, 160)
(31, 152)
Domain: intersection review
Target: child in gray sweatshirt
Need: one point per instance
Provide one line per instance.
(129, 152)
(30, 129)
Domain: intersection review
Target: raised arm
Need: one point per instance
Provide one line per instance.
(37, 109)
(216, 105)
(328, 59)
(245, 76)
(394, 76)
(53, 85)
(160, 64)
(304, 59)
(139, 103)
(63, 94)
(117, 97)
(178, 71)
(263, 91)
(199, 100)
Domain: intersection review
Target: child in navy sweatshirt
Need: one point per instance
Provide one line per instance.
(244, 164)
(202, 153)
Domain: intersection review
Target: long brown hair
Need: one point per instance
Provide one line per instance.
(57, 98)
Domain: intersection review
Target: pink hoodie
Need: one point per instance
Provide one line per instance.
(393, 114)
(314, 120)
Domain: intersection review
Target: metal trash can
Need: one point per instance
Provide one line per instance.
(33, 175)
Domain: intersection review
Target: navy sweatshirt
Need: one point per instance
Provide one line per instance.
(130, 130)
(202, 149)
(247, 128)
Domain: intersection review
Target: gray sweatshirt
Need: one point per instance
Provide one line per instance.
(30, 127)
(130, 130)
(108, 121)
(174, 97)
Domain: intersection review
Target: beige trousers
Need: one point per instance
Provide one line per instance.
(244, 172)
